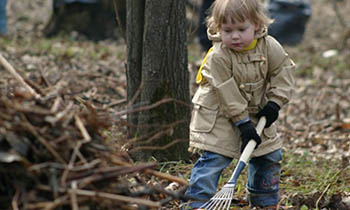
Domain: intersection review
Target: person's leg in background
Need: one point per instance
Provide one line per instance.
(202, 29)
(3, 18)
(264, 178)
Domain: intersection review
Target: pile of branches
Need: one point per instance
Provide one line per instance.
(53, 154)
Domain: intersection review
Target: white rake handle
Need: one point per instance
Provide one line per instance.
(248, 150)
(222, 199)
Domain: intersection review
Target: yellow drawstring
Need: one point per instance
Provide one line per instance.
(199, 77)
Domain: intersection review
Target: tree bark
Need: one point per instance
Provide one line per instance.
(134, 30)
(157, 59)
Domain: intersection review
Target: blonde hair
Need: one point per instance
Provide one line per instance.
(237, 11)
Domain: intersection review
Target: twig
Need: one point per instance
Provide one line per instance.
(14, 202)
(54, 119)
(137, 93)
(48, 205)
(118, 18)
(154, 135)
(328, 186)
(339, 16)
(157, 147)
(117, 197)
(68, 118)
(12, 71)
(47, 82)
(87, 166)
(342, 21)
(345, 37)
(173, 195)
(155, 173)
(167, 177)
(46, 188)
(57, 202)
(56, 104)
(81, 157)
(320, 198)
(55, 91)
(42, 140)
(80, 125)
(23, 108)
(115, 103)
(73, 196)
(151, 106)
(115, 172)
(70, 164)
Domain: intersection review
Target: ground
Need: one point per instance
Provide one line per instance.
(315, 125)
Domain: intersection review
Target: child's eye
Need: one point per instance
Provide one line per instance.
(242, 29)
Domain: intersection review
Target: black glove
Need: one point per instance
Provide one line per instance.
(270, 111)
(248, 132)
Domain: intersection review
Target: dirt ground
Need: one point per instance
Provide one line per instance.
(316, 121)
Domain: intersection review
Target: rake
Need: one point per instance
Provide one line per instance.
(222, 199)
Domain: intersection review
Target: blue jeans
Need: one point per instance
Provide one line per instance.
(3, 17)
(263, 178)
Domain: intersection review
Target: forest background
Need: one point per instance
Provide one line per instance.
(315, 125)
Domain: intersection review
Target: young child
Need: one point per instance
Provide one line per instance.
(245, 75)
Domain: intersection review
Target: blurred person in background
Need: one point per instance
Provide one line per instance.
(94, 19)
(290, 19)
(3, 18)
(59, 3)
(202, 29)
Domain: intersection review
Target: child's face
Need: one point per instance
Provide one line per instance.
(237, 36)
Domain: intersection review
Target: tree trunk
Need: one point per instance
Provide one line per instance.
(157, 59)
(135, 18)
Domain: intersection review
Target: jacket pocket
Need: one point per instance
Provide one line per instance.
(203, 118)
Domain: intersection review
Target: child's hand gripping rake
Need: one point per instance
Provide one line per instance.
(222, 199)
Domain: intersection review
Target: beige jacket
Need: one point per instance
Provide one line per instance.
(237, 85)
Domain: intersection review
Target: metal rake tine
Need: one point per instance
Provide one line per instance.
(210, 205)
(218, 194)
(226, 200)
(230, 196)
(217, 204)
(205, 205)
(220, 200)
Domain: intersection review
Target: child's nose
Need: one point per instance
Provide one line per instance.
(235, 35)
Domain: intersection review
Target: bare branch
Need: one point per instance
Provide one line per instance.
(12, 71)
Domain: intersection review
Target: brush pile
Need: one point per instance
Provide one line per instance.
(53, 153)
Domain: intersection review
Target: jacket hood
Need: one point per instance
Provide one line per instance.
(215, 36)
